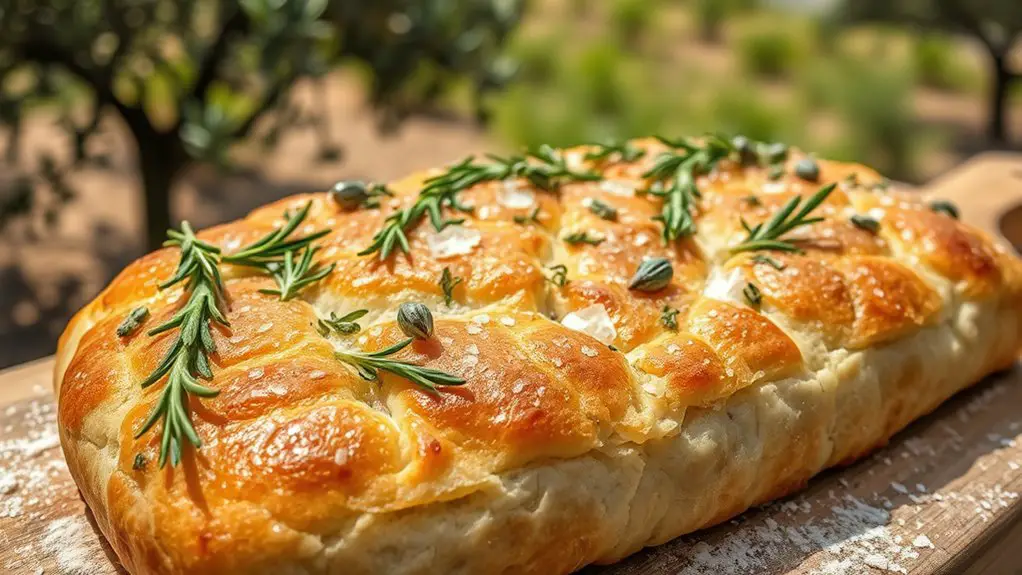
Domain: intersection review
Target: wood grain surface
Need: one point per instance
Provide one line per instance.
(942, 498)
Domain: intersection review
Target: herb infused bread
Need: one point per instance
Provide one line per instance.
(519, 365)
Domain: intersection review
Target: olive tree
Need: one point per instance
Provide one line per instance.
(189, 79)
(996, 24)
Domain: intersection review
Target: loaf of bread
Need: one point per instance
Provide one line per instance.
(599, 413)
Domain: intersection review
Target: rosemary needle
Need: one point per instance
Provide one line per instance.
(769, 235)
(187, 361)
(368, 366)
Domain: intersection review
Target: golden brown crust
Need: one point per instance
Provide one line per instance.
(561, 447)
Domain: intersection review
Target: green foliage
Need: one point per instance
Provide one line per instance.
(632, 19)
(739, 109)
(712, 14)
(937, 64)
(875, 108)
(595, 94)
(191, 78)
(770, 52)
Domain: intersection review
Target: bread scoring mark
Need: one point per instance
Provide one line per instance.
(745, 339)
(890, 299)
(948, 246)
(807, 290)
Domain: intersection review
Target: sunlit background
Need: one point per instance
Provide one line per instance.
(121, 117)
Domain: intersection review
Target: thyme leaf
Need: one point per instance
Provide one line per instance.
(132, 321)
(752, 294)
(669, 317)
(559, 277)
(344, 325)
(583, 237)
(447, 283)
(532, 218)
(603, 209)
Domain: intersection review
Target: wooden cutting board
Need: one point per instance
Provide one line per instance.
(945, 497)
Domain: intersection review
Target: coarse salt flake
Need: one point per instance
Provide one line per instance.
(453, 241)
(594, 321)
(922, 541)
(726, 286)
(512, 195)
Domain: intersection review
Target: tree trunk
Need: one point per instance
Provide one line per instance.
(996, 130)
(161, 158)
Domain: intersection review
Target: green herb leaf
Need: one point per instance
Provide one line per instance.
(752, 200)
(187, 361)
(344, 325)
(415, 320)
(603, 210)
(769, 235)
(945, 207)
(139, 463)
(132, 322)
(765, 259)
(865, 223)
(292, 277)
(582, 237)
(673, 176)
(669, 317)
(544, 168)
(448, 283)
(624, 151)
(532, 218)
(652, 275)
(752, 294)
(188, 357)
(559, 277)
(368, 366)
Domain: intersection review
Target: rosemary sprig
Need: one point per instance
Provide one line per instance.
(292, 277)
(769, 235)
(544, 168)
(344, 325)
(448, 282)
(765, 259)
(188, 358)
(674, 176)
(271, 248)
(187, 361)
(368, 366)
(625, 151)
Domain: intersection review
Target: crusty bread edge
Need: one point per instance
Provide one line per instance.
(556, 516)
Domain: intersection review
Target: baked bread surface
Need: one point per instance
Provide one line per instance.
(559, 450)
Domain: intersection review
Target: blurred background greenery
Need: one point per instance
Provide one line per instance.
(121, 117)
